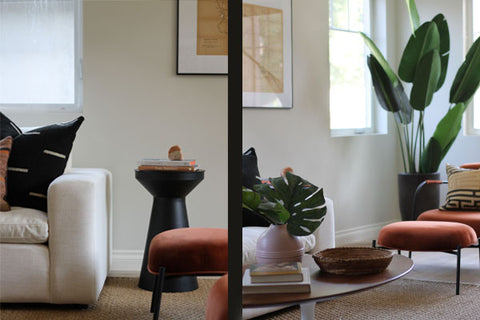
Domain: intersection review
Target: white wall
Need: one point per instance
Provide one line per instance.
(136, 107)
(358, 173)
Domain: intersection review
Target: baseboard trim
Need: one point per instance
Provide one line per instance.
(365, 233)
(127, 263)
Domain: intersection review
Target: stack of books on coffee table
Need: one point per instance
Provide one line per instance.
(166, 165)
(287, 277)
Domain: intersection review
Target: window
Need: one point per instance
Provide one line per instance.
(41, 55)
(351, 109)
(472, 23)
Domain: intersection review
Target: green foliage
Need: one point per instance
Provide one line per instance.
(290, 200)
(424, 63)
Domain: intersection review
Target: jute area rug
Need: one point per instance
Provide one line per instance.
(400, 299)
(120, 299)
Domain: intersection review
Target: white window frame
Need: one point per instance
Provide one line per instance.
(467, 42)
(378, 117)
(77, 106)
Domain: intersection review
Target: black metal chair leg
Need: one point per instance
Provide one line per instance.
(157, 293)
(410, 254)
(459, 253)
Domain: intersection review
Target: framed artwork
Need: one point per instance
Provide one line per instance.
(202, 37)
(267, 54)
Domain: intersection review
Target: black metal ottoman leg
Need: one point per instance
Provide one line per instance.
(157, 293)
(459, 254)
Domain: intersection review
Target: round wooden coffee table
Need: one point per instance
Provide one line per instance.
(326, 286)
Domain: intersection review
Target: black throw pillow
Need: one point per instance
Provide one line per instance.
(8, 128)
(250, 177)
(38, 157)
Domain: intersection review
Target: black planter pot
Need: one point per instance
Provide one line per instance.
(428, 197)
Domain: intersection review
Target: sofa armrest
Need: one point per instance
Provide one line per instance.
(325, 234)
(78, 211)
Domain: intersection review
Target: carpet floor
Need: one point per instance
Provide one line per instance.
(120, 299)
(398, 300)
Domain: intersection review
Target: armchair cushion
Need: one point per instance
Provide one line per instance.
(38, 157)
(23, 225)
(463, 189)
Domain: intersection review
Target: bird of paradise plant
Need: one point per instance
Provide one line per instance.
(424, 64)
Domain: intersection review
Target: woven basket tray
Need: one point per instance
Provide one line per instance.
(353, 260)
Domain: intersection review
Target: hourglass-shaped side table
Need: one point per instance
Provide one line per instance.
(169, 189)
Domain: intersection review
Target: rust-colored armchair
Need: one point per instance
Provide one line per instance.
(449, 229)
(461, 215)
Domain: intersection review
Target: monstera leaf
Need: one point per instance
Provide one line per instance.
(288, 200)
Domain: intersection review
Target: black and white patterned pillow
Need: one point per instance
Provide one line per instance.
(37, 158)
(8, 128)
(463, 189)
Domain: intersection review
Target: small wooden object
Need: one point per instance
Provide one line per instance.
(175, 153)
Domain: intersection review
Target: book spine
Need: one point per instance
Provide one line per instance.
(173, 163)
(166, 168)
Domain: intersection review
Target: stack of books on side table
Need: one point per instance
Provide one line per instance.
(166, 165)
(287, 277)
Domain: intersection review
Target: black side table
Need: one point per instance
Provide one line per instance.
(169, 211)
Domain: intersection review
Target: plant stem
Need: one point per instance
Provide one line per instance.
(401, 146)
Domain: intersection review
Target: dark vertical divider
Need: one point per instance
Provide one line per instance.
(234, 158)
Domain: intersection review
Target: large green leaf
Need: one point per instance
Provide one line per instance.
(250, 199)
(274, 211)
(287, 200)
(426, 80)
(445, 134)
(467, 78)
(444, 51)
(308, 214)
(425, 39)
(392, 99)
(381, 59)
(431, 157)
(413, 13)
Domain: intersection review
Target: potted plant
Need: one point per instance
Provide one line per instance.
(423, 64)
(293, 206)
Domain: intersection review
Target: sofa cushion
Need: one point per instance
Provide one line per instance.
(23, 225)
(8, 128)
(38, 157)
(249, 243)
(463, 189)
(250, 177)
(5, 148)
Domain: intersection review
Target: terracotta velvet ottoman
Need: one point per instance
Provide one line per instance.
(186, 251)
(428, 236)
(190, 251)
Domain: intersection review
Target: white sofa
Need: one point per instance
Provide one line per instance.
(322, 238)
(72, 265)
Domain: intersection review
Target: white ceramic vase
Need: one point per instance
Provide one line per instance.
(277, 245)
